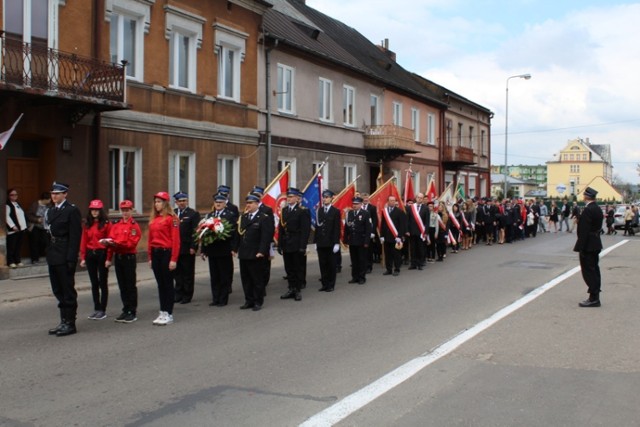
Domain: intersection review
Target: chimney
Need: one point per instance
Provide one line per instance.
(384, 47)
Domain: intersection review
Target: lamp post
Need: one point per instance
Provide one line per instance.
(506, 128)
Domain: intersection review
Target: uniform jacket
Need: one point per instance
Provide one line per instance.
(294, 229)
(357, 228)
(327, 228)
(589, 226)
(65, 229)
(373, 214)
(125, 235)
(164, 232)
(254, 235)
(423, 214)
(189, 220)
(399, 219)
(220, 248)
(91, 237)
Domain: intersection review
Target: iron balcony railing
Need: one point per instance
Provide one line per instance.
(31, 67)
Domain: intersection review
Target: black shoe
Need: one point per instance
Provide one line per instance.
(386, 273)
(369, 270)
(352, 281)
(246, 306)
(288, 295)
(66, 329)
(329, 290)
(362, 282)
(213, 304)
(257, 307)
(221, 304)
(55, 330)
(185, 301)
(589, 303)
(339, 270)
(177, 299)
(322, 289)
(297, 296)
(396, 273)
(420, 268)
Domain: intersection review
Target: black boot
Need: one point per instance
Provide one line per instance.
(55, 330)
(67, 328)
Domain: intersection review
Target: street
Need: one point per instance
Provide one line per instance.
(547, 363)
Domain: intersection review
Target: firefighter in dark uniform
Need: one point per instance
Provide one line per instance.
(417, 220)
(225, 190)
(392, 238)
(357, 234)
(373, 250)
(184, 274)
(589, 246)
(293, 236)
(64, 224)
(327, 241)
(255, 234)
(259, 192)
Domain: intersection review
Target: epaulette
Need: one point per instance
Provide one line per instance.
(302, 207)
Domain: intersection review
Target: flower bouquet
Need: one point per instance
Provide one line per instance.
(212, 229)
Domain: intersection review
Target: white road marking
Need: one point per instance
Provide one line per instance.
(347, 406)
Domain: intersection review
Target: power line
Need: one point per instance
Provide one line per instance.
(566, 128)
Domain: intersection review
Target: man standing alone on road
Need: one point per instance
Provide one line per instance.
(589, 246)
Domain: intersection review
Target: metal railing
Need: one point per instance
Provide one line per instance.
(457, 155)
(57, 73)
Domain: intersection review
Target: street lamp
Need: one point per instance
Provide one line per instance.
(506, 128)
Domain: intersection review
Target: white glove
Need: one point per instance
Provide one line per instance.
(373, 235)
(381, 239)
(398, 240)
(336, 248)
(315, 247)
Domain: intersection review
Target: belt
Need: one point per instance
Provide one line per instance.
(120, 256)
(55, 239)
(160, 249)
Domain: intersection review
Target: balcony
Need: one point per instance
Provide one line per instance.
(387, 142)
(457, 156)
(33, 70)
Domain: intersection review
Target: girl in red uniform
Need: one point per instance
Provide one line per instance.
(164, 248)
(93, 255)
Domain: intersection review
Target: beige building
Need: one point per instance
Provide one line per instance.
(578, 164)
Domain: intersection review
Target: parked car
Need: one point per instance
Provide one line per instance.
(618, 217)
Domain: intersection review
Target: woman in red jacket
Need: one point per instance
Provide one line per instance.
(164, 248)
(93, 255)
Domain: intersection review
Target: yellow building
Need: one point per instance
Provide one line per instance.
(577, 165)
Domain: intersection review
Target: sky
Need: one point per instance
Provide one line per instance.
(583, 56)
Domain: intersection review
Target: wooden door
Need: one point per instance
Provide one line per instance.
(23, 175)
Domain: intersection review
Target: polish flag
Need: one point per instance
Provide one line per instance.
(4, 136)
(431, 190)
(276, 189)
(408, 187)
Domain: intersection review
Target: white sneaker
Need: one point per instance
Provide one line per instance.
(12, 265)
(160, 318)
(166, 320)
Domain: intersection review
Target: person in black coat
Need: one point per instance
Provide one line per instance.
(293, 236)
(418, 223)
(259, 192)
(219, 254)
(64, 224)
(357, 234)
(589, 246)
(373, 250)
(184, 273)
(391, 240)
(255, 233)
(327, 241)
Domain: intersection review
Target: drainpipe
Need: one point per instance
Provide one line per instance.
(267, 56)
(95, 148)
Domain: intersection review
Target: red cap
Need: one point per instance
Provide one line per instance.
(126, 204)
(162, 195)
(96, 204)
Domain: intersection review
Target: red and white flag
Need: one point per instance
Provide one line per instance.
(276, 189)
(409, 194)
(431, 190)
(381, 195)
(4, 136)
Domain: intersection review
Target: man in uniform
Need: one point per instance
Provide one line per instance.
(64, 223)
(293, 236)
(327, 240)
(259, 192)
(589, 246)
(418, 221)
(357, 234)
(185, 270)
(373, 251)
(225, 190)
(392, 230)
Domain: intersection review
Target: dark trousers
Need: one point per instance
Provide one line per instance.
(184, 277)
(456, 235)
(392, 256)
(417, 250)
(125, 266)
(14, 244)
(63, 286)
(253, 280)
(591, 272)
(295, 266)
(441, 245)
(160, 259)
(431, 246)
(37, 243)
(99, 276)
(358, 254)
(220, 271)
(327, 262)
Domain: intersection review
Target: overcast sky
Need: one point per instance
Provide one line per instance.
(584, 58)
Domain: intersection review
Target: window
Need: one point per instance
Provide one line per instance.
(416, 182)
(460, 135)
(125, 176)
(574, 168)
(182, 173)
(350, 173)
(348, 105)
(472, 186)
(129, 20)
(584, 156)
(324, 173)
(229, 174)
(415, 124)
(449, 130)
(230, 48)
(431, 129)
(282, 163)
(375, 110)
(286, 78)
(571, 156)
(184, 32)
(397, 113)
(325, 100)
(471, 138)
(483, 146)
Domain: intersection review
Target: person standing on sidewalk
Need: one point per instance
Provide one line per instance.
(357, 235)
(16, 228)
(293, 236)
(93, 255)
(186, 268)
(589, 246)
(327, 241)
(121, 244)
(64, 223)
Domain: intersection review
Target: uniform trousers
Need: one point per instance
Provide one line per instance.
(253, 280)
(220, 271)
(591, 272)
(295, 266)
(184, 276)
(125, 265)
(327, 262)
(160, 258)
(99, 277)
(392, 256)
(431, 246)
(358, 254)
(63, 283)
(417, 250)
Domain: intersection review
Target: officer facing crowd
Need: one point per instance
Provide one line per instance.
(185, 270)
(327, 241)
(293, 236)
(64, 223)
(589, 246)
(357, 234)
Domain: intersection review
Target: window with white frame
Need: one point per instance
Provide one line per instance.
(348, 105)
(282, 163)
(472, 186)
(285, 90)
(230, 49)
(460, 135)
(184, 32)
(182, 173)
(483, 144)
(229, 174)
(324, 173)
(471, 145)
(575, 168)
(350, 173)
(325, 100)
(431, 129)
(483, 187)
(129, 21)
(415, 177)
(375, 110)
(397, 113)
(415, 124)
(125, 176)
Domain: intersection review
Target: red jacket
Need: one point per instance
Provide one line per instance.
(126, 236)
(164, 232)
(91, 236)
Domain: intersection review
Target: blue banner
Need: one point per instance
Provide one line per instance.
(311, 199)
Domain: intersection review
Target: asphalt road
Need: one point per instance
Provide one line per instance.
(548, 363)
